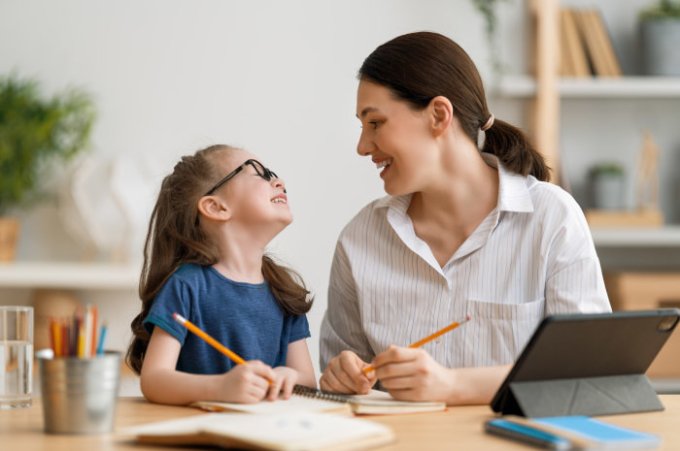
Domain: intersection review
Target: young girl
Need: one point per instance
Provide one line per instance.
(204, 259)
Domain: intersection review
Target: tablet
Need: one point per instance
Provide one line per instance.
(575, 346)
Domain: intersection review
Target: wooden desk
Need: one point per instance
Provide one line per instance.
(458, 428)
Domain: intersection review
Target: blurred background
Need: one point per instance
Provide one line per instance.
(278, 78)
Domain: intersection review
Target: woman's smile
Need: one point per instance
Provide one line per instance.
(384, 165)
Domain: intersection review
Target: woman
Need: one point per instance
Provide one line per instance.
(461, 232)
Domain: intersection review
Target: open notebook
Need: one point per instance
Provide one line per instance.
(307, 399)
(281, 431)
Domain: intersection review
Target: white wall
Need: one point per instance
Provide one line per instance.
(278, 78)
(171, 76)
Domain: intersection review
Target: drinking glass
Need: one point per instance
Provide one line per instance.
(16, 356)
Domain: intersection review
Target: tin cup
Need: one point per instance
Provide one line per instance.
(79, 394)
(16, 356)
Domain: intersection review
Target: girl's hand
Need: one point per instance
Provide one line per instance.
(246, 383)
(413, 375)
(343, 375)
(282, 385)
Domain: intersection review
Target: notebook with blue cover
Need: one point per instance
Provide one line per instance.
(570, 432)
(601, 435)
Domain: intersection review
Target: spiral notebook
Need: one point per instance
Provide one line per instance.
(307, 399)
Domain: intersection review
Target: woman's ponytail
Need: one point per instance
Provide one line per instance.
(514, 150)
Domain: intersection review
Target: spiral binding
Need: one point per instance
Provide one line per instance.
(308, 392)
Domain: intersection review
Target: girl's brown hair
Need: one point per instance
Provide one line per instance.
(418, 67)
(175, 237)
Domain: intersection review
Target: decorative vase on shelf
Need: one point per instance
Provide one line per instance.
(659, 37)
(105, 205)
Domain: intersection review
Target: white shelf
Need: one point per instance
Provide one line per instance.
(626, 87)
(103, 276)
(97, 276)
(668, 236)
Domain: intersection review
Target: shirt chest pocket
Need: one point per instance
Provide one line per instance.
(503, 329)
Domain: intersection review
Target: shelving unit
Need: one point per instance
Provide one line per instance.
(664, 237)
(628, 288)
(523, 86)
(74, 276)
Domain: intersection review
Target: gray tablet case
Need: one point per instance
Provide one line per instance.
(587, 364)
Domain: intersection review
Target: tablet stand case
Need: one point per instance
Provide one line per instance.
(590, 364)
(607, 395)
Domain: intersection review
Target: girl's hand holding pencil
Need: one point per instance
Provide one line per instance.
(250, 381)
(283, 384)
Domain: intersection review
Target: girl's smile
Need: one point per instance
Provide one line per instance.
(280, 199)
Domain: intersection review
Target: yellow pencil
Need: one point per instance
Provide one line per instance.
(428, 339)
(210, 340)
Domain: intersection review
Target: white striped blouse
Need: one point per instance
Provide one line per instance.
(532, 256)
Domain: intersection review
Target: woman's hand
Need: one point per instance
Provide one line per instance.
(282, 385)
(246, 383)
(411, 374)
(343, 375)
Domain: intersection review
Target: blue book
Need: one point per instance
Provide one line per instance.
(572, 432)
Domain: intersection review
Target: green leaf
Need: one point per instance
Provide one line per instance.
(36, 132)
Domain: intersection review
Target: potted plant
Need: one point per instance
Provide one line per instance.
(487, 8)
(607, 182)
(659, 37)
(34, 132)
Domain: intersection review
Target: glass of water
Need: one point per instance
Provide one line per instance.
(16, 356)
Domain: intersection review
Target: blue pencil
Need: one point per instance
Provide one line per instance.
(102, 337)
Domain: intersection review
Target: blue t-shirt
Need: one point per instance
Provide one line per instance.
(244, 317)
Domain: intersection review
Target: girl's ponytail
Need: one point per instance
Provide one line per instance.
(288, 288)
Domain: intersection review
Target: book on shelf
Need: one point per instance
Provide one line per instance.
(573, 61)
(597, 43)
(586, 47)
(307, 399)
(281, 431)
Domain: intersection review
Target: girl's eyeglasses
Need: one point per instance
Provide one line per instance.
(259, 169)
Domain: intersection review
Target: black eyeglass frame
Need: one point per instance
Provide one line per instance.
(260, 169)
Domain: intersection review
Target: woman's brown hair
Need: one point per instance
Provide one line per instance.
(175, 237)
(418, 67)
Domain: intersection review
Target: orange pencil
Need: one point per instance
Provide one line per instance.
(93, 334)
(210, 340)
(56, 337)
(428, 339)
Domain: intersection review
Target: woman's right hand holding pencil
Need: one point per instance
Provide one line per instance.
(344, 374)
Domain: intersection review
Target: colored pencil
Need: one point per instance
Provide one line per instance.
(428, 339)
(102, 337)
(208, 339)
